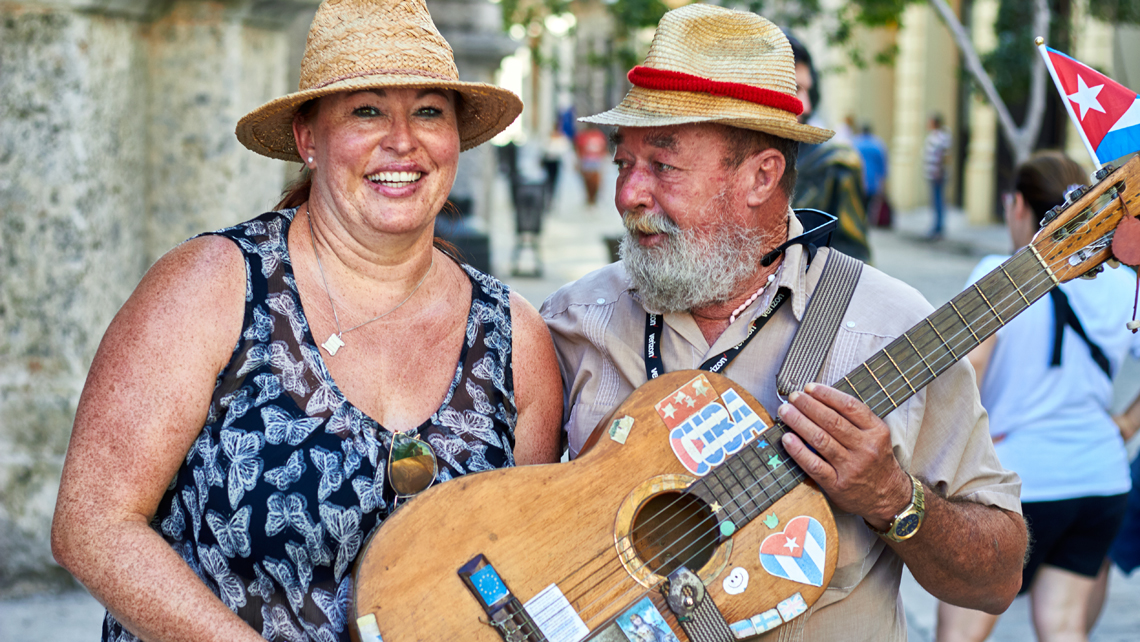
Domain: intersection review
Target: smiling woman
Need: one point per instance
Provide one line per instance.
(228, 459)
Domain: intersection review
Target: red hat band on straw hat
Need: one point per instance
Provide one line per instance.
(708, 64)
(667, 80)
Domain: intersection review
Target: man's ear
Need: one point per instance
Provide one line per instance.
(766, 169)
(1020, 209)
(303, 134)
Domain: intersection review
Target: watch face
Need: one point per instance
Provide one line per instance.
(906, 526)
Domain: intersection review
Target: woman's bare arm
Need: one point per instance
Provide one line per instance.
(144, 403)
(538, 386)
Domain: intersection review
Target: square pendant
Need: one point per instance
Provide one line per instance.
(332, 344)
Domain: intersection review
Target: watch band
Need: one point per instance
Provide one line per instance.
(906, 523)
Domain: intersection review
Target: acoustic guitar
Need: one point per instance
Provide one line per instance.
(685, 504)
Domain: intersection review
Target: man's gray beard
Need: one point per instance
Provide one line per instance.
(687, 271)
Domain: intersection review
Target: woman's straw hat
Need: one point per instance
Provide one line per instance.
(364, 44)
(713, 65)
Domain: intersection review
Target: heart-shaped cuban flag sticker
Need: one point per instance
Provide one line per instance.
(798, 552)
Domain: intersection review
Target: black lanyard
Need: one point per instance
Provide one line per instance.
(654, 323)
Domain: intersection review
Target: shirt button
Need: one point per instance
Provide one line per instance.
(850, 324)
(601, 301)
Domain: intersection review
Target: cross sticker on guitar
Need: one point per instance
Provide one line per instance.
(706, 428)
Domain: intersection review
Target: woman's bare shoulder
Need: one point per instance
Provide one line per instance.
(191, 301)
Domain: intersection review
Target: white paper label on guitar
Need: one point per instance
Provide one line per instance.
(704, 428)
(557, 620)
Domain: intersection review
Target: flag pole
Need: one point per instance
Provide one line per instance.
(1040, 42)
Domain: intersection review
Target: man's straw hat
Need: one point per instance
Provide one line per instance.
(365, 44)
(713, 65)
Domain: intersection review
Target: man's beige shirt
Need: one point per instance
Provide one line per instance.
(940, 434)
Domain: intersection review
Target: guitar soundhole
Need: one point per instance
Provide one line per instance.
(674, 529)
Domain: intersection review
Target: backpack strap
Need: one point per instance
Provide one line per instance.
(1064, 315)
(816, 334)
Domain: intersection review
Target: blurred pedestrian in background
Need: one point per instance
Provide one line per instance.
(556, 148)
(830, 174)
(1046, 381)
(935, 156)
(874, 155)
(593, 151)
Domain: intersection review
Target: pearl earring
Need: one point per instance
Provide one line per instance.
(310, 160)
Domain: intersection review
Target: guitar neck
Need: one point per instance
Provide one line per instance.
(757, 477)
(912, 361)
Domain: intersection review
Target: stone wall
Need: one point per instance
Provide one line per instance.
(116, 143)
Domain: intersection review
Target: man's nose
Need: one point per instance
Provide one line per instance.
(634, 190)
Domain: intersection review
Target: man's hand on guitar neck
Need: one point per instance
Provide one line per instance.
(965, 553)
(853, 461)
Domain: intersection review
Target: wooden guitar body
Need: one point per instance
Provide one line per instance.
(573, 525)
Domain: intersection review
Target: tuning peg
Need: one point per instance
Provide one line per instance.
(1104, 171)
(1050, 215)
(1074, 195)
(1091, 274)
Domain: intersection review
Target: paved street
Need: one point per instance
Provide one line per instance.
(573, 244)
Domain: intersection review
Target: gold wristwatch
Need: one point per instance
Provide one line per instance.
(906, 523)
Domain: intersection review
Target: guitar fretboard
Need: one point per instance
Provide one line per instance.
(751, 481)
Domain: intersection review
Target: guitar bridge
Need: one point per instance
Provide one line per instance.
(503, 609)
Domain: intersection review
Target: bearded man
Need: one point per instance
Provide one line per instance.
(706, 146)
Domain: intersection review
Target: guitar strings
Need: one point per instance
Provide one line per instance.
(874, 398)
(939, 360)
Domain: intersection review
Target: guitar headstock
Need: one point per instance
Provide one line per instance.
(1079, 237)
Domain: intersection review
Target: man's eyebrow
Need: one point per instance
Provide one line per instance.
(667, 141)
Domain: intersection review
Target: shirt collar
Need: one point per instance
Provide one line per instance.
(793, 275)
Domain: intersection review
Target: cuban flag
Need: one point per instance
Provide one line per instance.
(798, 552)
(1106, 113)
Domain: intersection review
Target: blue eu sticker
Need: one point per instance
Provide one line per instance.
(490, 587)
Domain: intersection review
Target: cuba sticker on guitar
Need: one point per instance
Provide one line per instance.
(685, 519)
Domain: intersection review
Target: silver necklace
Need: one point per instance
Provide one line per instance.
(336, 341)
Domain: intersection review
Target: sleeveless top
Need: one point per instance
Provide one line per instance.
(287, 478)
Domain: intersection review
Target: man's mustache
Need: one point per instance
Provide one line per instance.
(649, 223)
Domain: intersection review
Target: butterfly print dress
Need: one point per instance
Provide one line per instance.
(287, 478)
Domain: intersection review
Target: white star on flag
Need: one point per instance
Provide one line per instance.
(1086, 97)
(791, 544)
(669, 411)
(700, 388)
